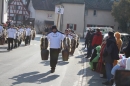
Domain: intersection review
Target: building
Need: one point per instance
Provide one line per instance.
(3, 11)
(73, 16)
(18, 11)
(44, 13)
(98, 14)
(78, 14)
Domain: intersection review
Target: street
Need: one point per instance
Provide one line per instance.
(23, 67)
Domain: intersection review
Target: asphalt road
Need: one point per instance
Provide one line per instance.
(23, 67)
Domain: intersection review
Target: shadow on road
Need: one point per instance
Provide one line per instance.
(33, 77)
(60, 63)
(93, 78)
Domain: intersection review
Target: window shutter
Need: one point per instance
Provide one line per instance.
(67, 26)
(75, 26)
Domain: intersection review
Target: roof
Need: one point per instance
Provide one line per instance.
(99, 4)
(43, 5)
(49, 5)
(10, 1)
(69, 1)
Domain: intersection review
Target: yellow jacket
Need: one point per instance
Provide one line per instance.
(119, 44)
(118, 40)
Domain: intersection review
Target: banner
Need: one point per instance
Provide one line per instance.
(59, 10)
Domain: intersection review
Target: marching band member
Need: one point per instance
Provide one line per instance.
(28, 36)
(67, 34)
(10, 33)
(55, 39)
(21, 34)
(1, 34)
(15, 37)
(1, 30)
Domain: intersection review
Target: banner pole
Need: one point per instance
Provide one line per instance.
(58, 19)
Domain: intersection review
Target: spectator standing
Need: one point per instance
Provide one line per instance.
(87, 39)
(108, 57)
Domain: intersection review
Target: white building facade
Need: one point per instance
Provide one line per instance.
(3, 11)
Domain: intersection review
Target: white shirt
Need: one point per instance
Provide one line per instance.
(55, 39)
(15, 33)
(28, 32)
(21, 30)
(10, 33)
(69, 36)
(1, 30)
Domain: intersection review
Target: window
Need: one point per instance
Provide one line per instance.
(94, 12)
(16, 7)
(19, 17)
(72, 26)
(86, 12)
(49, 15)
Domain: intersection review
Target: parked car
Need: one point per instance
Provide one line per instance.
(125, 38)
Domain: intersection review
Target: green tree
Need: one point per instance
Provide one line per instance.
(121, 12)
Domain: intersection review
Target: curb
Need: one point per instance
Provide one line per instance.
(83, 73)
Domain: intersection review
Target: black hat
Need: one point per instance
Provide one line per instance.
(111, 34)
(54, 27)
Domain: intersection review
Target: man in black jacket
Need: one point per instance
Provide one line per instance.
(87, 39)
(107, 57)
(90, 42)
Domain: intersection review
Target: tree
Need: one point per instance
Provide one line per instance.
(121, 12)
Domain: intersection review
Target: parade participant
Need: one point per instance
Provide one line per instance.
(66, 44)
(55, 39)
(67, 34)
(1, 34)
(28, 36)
(10, 33)
(15, 37)
(21, 30)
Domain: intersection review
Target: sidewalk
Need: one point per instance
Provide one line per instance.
(89, 77)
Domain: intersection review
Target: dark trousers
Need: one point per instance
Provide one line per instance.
(27, 40)
(108, 67)
(54, 53)
(15, 43)
(10, 41)
(90, 50)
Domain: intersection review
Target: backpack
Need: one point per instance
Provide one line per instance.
(115, 52)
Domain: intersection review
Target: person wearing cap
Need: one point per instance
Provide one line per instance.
(10, 33)
(28, 35)
(55, 39)
(107, 57)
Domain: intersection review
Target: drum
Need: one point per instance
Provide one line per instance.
(33, 35)
(44, 54)
(44, 46)
(73, 46)
(65, 55)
